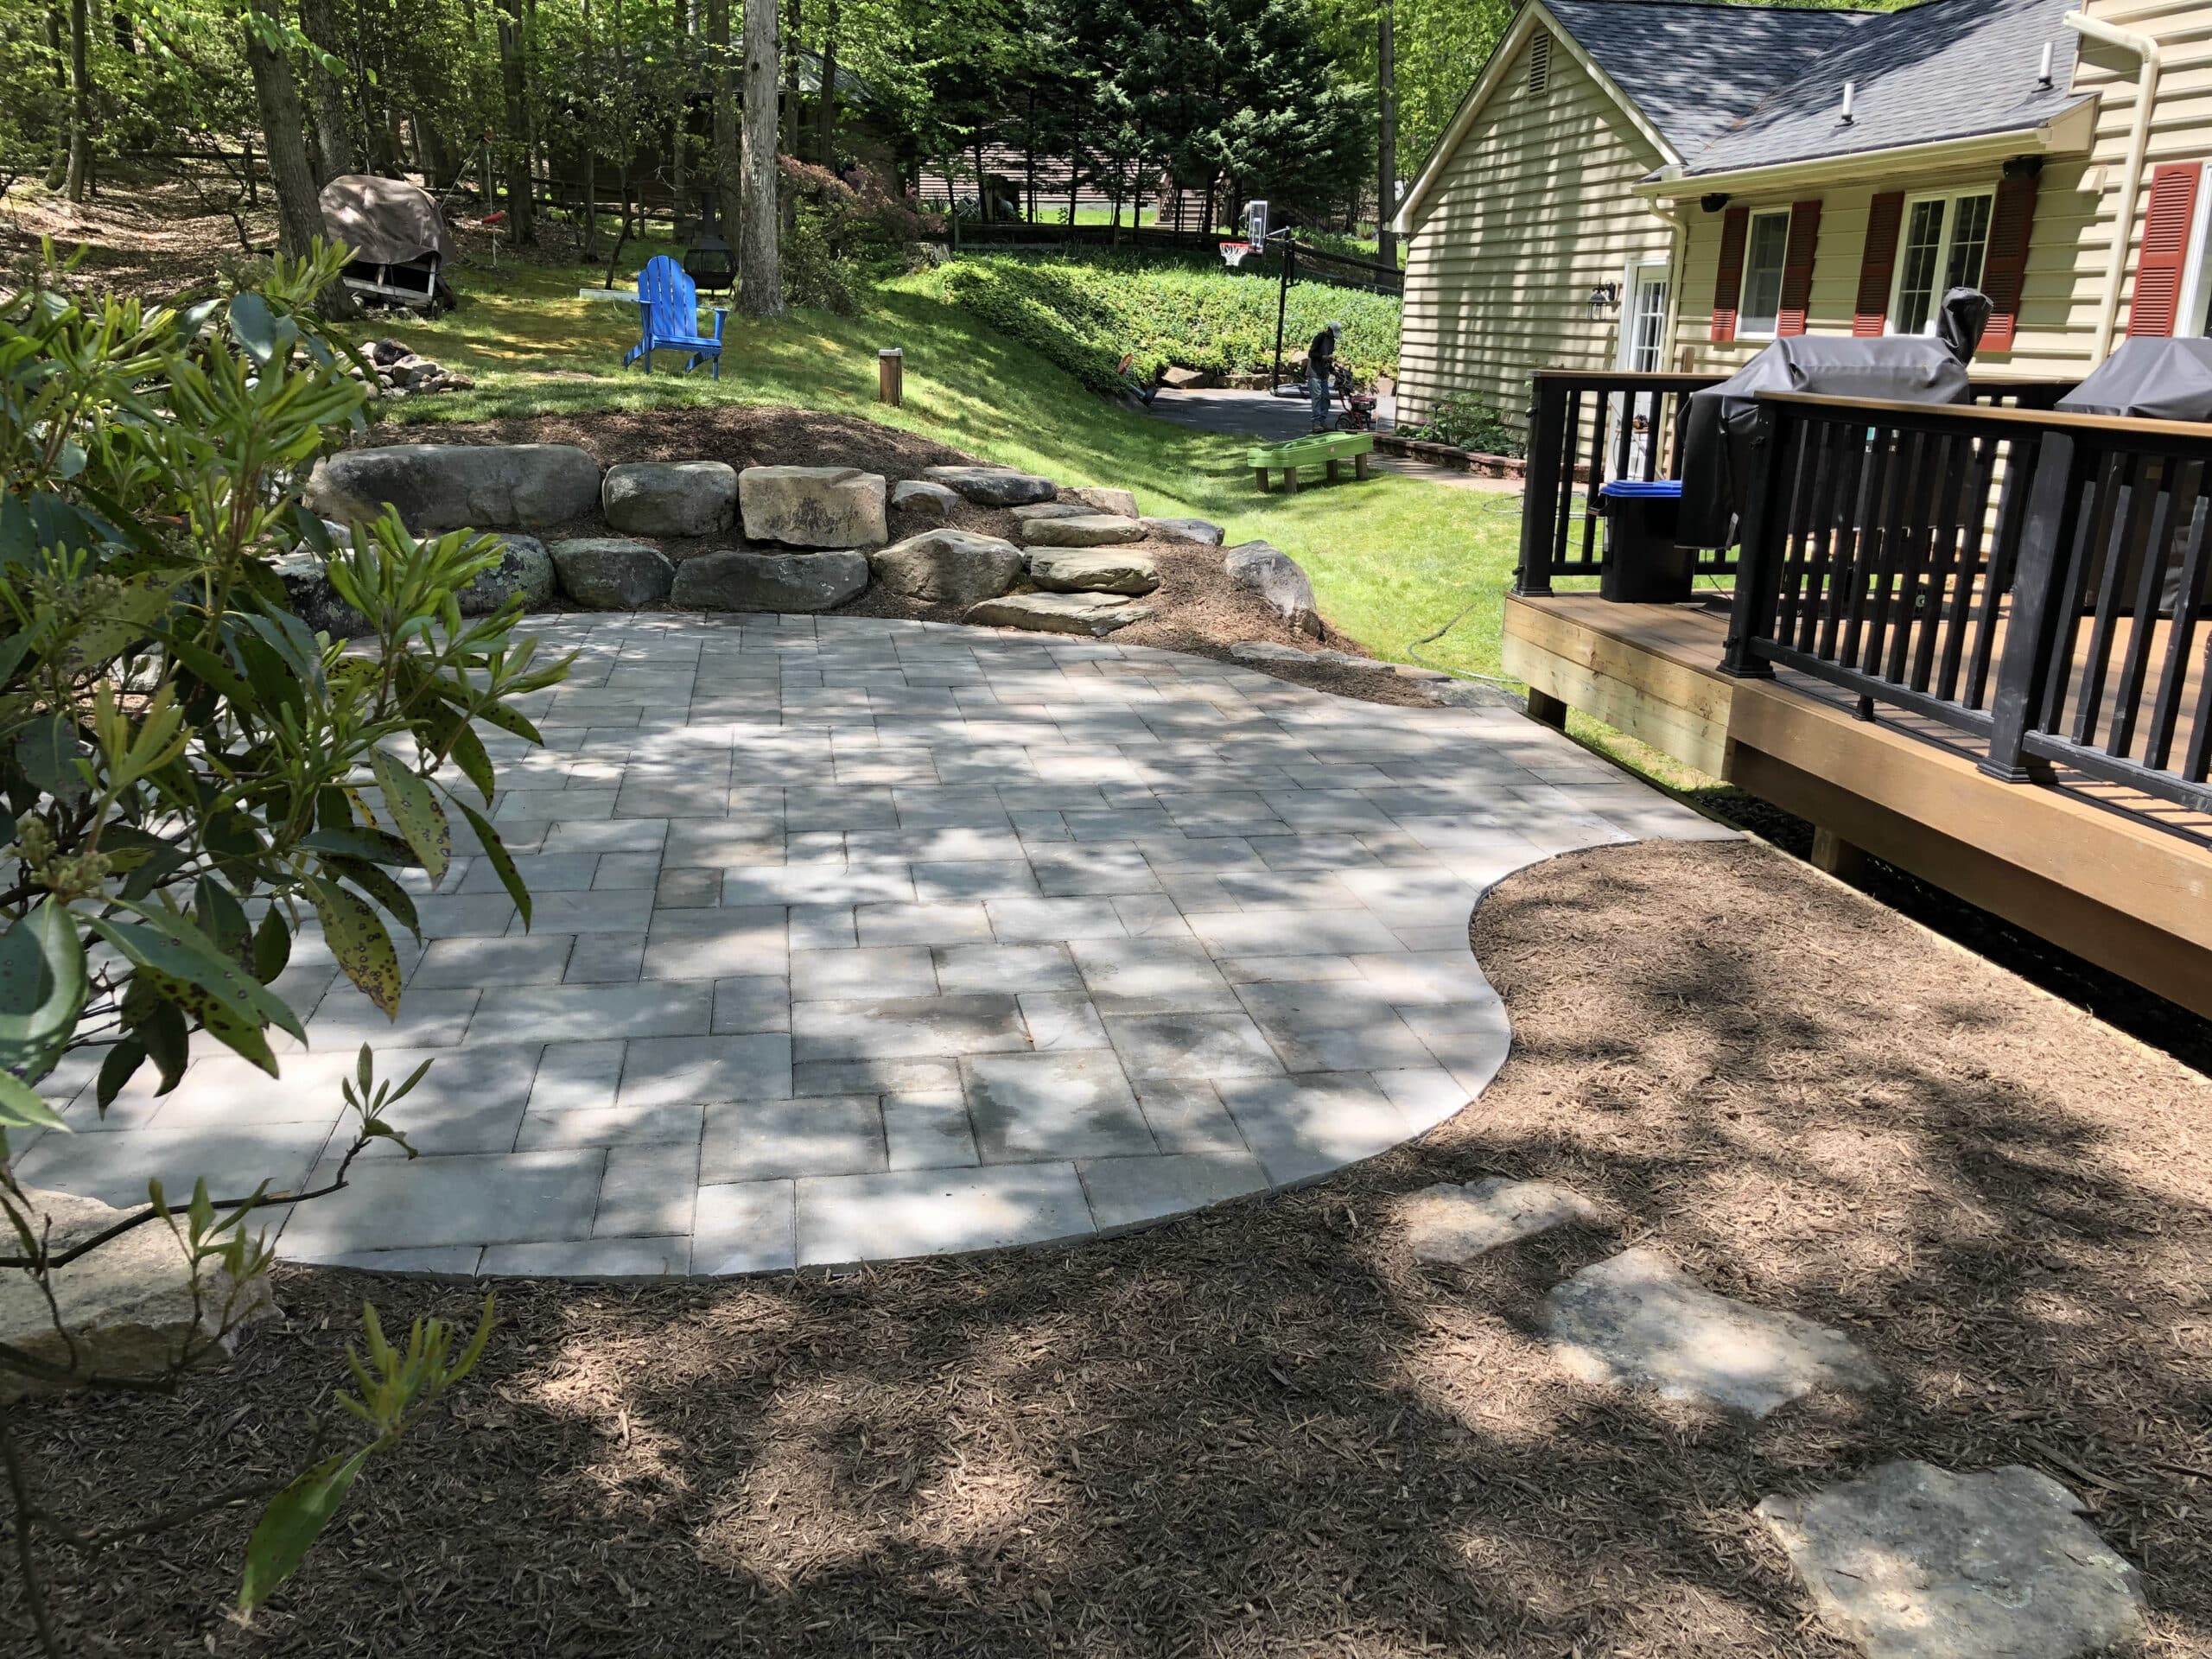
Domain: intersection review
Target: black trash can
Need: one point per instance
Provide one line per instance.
(1643, 564)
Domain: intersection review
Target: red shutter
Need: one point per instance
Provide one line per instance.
(1728, 287)
(1884, 219)
(2004, 268)
(1797, 266)
(2165, 250)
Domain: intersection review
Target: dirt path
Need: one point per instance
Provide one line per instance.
(1264, 1429)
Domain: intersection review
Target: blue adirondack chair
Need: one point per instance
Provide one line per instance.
(668, 318)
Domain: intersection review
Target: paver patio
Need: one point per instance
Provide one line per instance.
(857, 939)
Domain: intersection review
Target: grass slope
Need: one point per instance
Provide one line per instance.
(1390, 559)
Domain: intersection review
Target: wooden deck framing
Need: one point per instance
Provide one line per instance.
(2109, 885)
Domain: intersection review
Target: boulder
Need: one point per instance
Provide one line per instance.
(994, 487)
(525, 568)
(128, 1304)
(1097, 614)
(740, 581)
(952, 567)
(1271, 573)
(917, 498)
(1093, 570)
(605, 573)
(1185, 533)
(813, 506)
(1100, 498)
(1051, 510)
(670, 498)
(312, 599)
(1179, 379)
(440, 486)
(1266, 651)
(1085, 530)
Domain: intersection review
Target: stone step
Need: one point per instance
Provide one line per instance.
(1093, 570)
(1097, 614)
(1083, 530)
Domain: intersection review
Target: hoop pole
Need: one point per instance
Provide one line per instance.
(1282, 300)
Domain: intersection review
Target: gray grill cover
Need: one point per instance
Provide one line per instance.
(384, 221)
(1898, 368)
(2149, 379)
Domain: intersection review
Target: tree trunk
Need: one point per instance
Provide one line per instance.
(1386, 160)
(77, 183)
(58, 47)
(520, 228)
(760, 275)
(284, 130)
(790, 104)
(1029, 161)
(334, 137)
(826, 113)
(729, 194)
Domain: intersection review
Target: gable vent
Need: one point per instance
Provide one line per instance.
(1539, 62)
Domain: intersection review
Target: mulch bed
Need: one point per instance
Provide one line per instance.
(1195, 609)
(1264, 1429)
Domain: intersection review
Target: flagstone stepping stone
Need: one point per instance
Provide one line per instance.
(1187, 533)
(813, 506)
(1095, 571)
(1915, 1563)
(1445, 1222)
(954, 567)
(1083, 530)
(670, 497)
(1271, 574)
(606, 573)
(994, 487)
(1097, 614)
(1636, 1320)
(1053, 510)
(1101, 499)
(1267, 650)
(523, 568)
(920, 498)
(737, 581)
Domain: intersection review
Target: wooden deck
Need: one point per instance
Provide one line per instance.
(2122, 880)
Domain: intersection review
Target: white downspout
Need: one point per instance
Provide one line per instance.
(1678, 260)
(2131, 178)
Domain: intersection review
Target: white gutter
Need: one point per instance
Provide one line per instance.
(2138, 145)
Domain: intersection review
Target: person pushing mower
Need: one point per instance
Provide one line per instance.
(1320, 372)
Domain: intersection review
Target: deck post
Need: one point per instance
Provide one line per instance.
(1765, 534)
(1532, 577)
(1833, 855)
(2054, 502)
(1547, 710)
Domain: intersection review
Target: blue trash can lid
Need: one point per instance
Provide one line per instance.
(1633, 489)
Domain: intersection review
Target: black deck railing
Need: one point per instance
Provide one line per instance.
(1587, 430)
(2037, 582)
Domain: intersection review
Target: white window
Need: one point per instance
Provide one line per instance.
(2195, 316)
(1942, 247)
(1764, 249)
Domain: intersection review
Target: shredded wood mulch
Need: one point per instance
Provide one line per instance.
(1264, 1429)
(1195, 608)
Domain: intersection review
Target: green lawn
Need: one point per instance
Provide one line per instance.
(1390, 559)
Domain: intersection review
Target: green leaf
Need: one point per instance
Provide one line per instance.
(359, 940)
(240, 1035)
(291, 1523)
(415, 812)
(173, 946)
(121, 1064)
(222, 918)
(20, 1105)
(18, 541)
(273, 945)
(502, 860)
(381, 890)
(255, 325)
(42, 988)
(374, 845)
(164, 1036)
(48, 751)
(119, 625)
(475, 765)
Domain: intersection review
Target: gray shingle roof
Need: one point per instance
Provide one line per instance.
(1735, 87)
(1695, 69)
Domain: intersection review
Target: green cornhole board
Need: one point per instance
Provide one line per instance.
(1321, 449)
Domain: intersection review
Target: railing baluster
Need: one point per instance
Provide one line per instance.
(1759, 569)
(2096, 532)
(1869, 553)
(1796, 532)
(1930, 459)
(1600, 405)
(2054, 498)
(1974, 510)
(2142, 626)
(2021, 461)
(2189, 607)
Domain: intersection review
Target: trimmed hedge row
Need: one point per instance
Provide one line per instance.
(1083, 314)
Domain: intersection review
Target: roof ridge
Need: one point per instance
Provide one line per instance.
(1766, 6)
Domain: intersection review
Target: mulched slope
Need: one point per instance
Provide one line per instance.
(1195, 609)
(1262, 1430)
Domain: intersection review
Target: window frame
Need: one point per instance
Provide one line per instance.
(1950, 197)
(1746, 327)
(2190, 318)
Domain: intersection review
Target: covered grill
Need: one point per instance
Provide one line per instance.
(396, 238)
(2151, 379)
(709, 261)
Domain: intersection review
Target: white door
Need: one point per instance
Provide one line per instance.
(1644, 347)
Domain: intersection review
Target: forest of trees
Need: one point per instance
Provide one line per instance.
(578, 105)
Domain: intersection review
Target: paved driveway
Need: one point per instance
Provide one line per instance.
(858, 939)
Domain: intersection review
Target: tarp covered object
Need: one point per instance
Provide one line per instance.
(1898, 368)
(2149, 379)
(384, 221)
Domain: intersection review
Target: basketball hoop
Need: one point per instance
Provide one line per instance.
(1232, 253)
